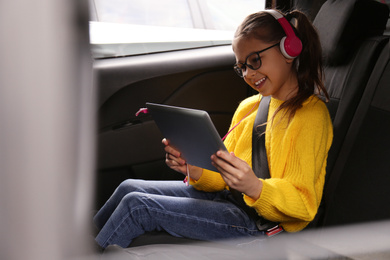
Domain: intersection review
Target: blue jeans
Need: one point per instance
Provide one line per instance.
(139, 206)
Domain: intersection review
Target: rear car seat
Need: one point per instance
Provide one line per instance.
(352, 41)
(358, 186)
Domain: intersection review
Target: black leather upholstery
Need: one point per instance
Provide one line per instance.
(351, 50)
(358, 187)
(351, 22)
(349, 56)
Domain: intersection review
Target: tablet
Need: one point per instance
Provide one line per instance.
(190, 131)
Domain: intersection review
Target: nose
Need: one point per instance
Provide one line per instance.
(248, 73)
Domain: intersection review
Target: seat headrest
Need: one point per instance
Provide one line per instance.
(340, 24)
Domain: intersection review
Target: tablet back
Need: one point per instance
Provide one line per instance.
(190, 131)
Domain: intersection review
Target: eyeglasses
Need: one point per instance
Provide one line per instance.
(252, 61)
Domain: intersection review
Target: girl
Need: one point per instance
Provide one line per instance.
(297, 139)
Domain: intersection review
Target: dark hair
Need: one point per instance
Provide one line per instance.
(308, 64)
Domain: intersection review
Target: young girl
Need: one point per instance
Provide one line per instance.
(297, 138)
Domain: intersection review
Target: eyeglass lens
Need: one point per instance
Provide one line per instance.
(253, 61)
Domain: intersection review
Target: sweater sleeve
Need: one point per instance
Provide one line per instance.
(210, 181)
(293, 193)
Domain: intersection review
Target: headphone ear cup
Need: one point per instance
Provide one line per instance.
(291, 47)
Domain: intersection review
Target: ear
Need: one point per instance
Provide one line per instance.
(289, 61)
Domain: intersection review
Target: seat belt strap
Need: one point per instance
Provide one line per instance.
(259, 153)
(259, 165)
(259, 156)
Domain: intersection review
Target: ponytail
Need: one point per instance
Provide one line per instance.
(310, 70)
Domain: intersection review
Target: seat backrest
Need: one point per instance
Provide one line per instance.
(358, 186)
(351, 37)
(351, 34)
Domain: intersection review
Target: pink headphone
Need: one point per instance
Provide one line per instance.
(290, 45)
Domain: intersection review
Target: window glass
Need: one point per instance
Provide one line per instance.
(228, 14)
(172, 13)
(128, 27)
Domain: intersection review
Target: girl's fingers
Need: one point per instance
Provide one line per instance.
(236, 172)
(223, 164)
(169, 149)
(225, 159)
(175, 160)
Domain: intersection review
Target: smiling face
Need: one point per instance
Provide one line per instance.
(275, 77)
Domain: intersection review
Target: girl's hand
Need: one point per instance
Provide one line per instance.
(237, 174)
(174, 160)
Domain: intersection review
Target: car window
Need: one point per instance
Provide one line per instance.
(146, 12)
(127, 27)
(227, 15)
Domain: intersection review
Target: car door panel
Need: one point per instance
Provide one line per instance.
(193, 78)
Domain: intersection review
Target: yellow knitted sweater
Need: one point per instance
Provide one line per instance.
(297, 153)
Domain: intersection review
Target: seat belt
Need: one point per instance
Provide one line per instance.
(259, 166)
(259, 154)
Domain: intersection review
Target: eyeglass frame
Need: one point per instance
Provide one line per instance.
(239, 71)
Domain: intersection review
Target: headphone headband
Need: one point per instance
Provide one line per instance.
(291, 45)
(274, 13)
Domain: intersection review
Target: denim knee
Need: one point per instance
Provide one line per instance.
(126, 187)
(136, 199)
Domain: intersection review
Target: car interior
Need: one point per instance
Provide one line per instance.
(356, 56)
(355, 42)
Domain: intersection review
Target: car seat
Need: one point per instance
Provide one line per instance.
(358, 186)
(352, 41)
